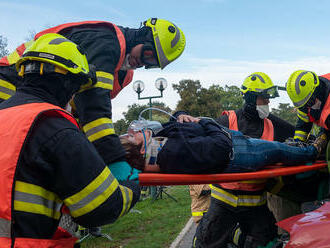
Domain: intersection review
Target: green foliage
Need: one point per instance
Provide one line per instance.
(156, 227)
(199, 101)
(3, 46)
(133, 114)
(286, 112)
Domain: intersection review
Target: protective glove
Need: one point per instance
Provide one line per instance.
(122, 171)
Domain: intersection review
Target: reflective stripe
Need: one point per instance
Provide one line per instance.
(258, 76)
(303, 116)
(301, 135)
(93, 195)
(127, 195)
(7, 90)
(237, 234)
(238, 200)
(163, 61)
(176, 38)
(297, 89)
(198, 213)
(98, 129)
(35, 199)
(5, 228)
(104, 80)
(58, 41)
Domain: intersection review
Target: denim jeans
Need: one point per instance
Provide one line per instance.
(252, 154)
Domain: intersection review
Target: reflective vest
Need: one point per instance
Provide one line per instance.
(324, 115)
(15, 123)
(116, 88)
(326, 109)
(268, 134)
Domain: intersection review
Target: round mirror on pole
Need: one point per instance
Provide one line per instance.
(138, 86)
(161, 84)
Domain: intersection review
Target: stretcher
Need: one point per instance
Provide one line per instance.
(154, 179)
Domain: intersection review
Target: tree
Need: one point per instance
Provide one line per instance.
(3, 46)
(199, 101)
(286, 112)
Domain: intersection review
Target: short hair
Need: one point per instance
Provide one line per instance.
(133, 154)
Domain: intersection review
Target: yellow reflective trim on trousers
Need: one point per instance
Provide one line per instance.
(255, 181)
(237, 200)
(198, 213)
(98, 129)
(36, 209)
(36, 190)
(127, 195)
(74, 200)
(13, 57)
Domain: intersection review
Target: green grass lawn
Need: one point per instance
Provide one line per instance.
(156, 227)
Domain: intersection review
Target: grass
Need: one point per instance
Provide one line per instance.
(156, 227)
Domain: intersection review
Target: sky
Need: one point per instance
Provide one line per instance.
(226, 40)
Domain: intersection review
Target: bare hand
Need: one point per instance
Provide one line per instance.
(187, 118)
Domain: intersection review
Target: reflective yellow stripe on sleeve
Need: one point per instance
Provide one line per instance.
(98, 129)
(303, 116)
(300, 135)
(238, 200)
(104, 80)
(35, 199)
(7, 90)
(93, 195)
(127, 195)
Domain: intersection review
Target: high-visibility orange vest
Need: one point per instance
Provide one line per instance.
(326, 109)
(15, 124)
(122, 42)
(268, 134)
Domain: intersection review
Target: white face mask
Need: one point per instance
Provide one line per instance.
(126, 66)
(263, 111)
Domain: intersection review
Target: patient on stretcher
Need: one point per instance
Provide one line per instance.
(204, 147)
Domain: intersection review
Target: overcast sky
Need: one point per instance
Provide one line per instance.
(226, 39)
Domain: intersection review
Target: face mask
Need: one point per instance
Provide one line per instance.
(126, 66)
(263, 111)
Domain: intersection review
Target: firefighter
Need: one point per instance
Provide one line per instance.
(245, 202)
(47, 163)
(115, 51)
(309, 93)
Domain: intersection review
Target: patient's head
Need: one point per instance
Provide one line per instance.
(133, 152)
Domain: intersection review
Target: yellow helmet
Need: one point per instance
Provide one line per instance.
(259, 83)
(169, 40)
(301, 86)
(56, 50)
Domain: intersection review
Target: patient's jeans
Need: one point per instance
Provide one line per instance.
(252, 154)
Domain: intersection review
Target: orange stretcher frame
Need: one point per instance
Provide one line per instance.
(153, 179)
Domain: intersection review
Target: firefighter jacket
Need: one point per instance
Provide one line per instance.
(318, 116)
(200, 200)
(47, 163)
(105, 47)
(249, 193)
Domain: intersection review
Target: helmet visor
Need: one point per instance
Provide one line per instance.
(271, 92)
(149, 56)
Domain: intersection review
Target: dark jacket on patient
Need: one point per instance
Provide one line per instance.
(202, 147)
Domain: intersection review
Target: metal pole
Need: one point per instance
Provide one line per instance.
(150, 111)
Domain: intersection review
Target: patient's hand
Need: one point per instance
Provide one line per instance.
(187, 118)
(151, 168)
